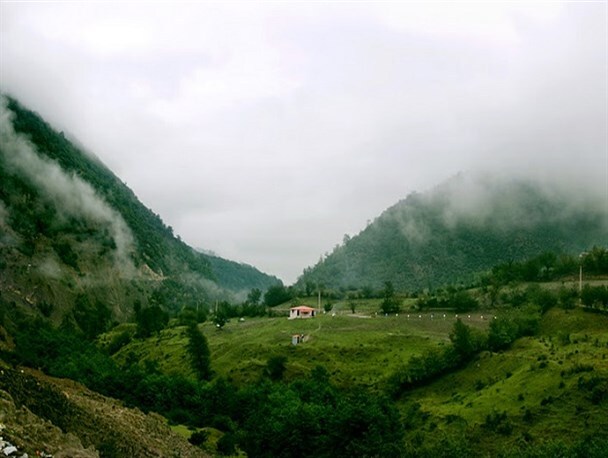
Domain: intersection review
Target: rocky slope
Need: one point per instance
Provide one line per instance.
(64, 419)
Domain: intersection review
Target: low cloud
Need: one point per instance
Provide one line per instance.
(496, 200)
(269, 130)
(71, 195)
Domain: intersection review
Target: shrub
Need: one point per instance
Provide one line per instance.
(275, 367)
(499, 423)
(563, 337)
(226, 445)
(119, 341)
(198, 437)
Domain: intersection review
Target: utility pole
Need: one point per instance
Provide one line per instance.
(580, 271)
(319, 299)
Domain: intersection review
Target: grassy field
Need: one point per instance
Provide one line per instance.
(539, 383)
(167, 350)
(543, 388)
(361, 348)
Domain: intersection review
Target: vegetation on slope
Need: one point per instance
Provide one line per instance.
(155, 244)
(463, 227)
(76, 242)
(509, 381)
(388, 376)
(544, 396)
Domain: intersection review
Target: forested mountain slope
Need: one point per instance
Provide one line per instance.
(77, 244)
(464, 226)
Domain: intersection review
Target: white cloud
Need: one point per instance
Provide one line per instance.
(245, 124)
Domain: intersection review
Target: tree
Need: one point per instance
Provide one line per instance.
(594, 296)
(390, 304)
(220, 319)
(276, 295)
(254, 296)
(198, 348)
(367, 292)
(275, 367)
(191, 315)
(462, 340)
(353, 306)
(462, 301)
(150, 320)
(92, 318)
(310, 288)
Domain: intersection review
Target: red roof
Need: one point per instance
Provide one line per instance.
(303, 308)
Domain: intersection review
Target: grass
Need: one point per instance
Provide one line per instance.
(167, 351)
(536, 383)
(361, 349)
(355, 349)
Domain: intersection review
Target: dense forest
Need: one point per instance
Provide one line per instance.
(463, 227)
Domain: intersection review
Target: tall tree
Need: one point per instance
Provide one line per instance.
(254, 296)
(462, 340)
(390, 303)
(200, 356)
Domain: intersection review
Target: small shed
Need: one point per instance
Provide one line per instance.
(302, 311)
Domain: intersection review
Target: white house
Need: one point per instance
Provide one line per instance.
(301, 311)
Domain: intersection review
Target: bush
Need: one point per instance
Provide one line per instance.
(226, 445)
(198, 437)
(505, 330)
(567, 298)
(595, 296)
(275, 367)
(422, 369)
(119, 341)
(563, 338)
(499, 423)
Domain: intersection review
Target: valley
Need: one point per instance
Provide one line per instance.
(446, 327)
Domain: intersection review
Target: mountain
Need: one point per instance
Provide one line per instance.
(460, 228)
(77, 244)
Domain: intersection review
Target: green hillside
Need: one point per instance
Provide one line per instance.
(522, 374)
(546, 391)
(532, 383)
(96, 290)
(75, 241)
(461, 228)
(239, 276)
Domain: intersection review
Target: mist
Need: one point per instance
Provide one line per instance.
(265, 132)
(71, 195)
(483, 198)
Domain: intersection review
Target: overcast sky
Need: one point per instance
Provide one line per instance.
(267, 131)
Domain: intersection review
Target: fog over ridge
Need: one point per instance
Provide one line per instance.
(265, 132)
(71, 195)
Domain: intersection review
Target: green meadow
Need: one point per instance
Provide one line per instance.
(544, 389)
(547, 387)
(361, 348)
